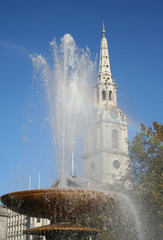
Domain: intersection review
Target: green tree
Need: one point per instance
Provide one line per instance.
(146, 155)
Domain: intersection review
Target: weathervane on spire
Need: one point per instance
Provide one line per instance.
(103, 29)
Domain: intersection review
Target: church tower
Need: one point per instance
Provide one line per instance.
(106, 147)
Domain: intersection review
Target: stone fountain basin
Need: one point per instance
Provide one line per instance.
(58, 205)
(61, 227)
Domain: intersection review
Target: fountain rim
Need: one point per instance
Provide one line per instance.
(63, 226)
(58, 204)
(59, 190)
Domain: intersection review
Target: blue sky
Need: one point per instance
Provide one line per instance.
(135, 35)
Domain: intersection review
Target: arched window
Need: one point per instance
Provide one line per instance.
(110, 95)
(114, 138)
(103, 95)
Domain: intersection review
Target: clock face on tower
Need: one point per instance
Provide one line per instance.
(116, 164)
(113, 113)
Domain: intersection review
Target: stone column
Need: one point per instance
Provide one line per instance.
(3, 223)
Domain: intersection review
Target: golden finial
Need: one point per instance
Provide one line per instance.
(103, 29)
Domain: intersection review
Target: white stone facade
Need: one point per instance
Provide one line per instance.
(17, 223)
(106, 146)
(3, 223)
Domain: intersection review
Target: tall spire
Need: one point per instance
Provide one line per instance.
(104, 67)
(103, 29)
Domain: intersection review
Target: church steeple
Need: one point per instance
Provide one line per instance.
(105, 87)
(106, 153)
(104, 66)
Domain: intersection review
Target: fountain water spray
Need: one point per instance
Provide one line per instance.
(69, 87)
(129, 217)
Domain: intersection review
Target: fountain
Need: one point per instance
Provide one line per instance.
(62, 206)
(69, 88)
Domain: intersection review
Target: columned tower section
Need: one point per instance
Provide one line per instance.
(106, 149)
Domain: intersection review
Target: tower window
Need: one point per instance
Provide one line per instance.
(110, 96)
(97, 97)
(103, 95)
(115, 138)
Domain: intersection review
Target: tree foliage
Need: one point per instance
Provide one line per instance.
(146, 155)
